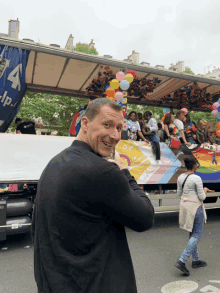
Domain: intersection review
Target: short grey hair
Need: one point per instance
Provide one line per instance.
(93, 109)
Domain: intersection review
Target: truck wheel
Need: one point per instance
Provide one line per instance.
(210, 200)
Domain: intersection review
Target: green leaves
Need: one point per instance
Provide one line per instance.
(56, 111)
(85, 49)
(158, 111)
(188, 70)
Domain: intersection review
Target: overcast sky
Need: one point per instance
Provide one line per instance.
(187, 30)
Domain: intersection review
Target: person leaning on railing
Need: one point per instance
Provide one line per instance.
(169, 127)
(180, 119)
(210, 133)
(190, 129)
(200, 132)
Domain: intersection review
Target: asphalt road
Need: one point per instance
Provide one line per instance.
(154, 254)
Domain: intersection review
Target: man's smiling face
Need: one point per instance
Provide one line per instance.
(104, 131)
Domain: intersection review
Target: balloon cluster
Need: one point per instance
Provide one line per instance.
(115, 91)
(121, 82)
(216, 112)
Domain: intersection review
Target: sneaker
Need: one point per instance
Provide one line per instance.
(198, 264)
(181, 266)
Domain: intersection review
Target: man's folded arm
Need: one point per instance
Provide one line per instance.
(125, 202)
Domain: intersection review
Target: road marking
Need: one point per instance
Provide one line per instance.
(214, 281)
(180, 287)
(210, 289)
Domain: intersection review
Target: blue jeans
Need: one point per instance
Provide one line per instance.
(194, 236)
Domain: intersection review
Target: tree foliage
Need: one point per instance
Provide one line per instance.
(85, 49)
(188, 70)
(55, 111)
(157, 112)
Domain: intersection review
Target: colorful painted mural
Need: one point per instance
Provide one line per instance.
(209, 160)
(141, 162)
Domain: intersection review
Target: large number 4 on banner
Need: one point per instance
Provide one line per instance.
(14, 77)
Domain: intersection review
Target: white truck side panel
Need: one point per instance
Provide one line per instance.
(24, 157)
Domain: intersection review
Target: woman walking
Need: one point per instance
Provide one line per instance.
(192, 213)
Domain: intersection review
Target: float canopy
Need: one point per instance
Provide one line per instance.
(64, 72)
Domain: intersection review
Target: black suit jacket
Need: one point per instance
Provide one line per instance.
(82, 204)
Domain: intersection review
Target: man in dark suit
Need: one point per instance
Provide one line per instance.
(83, 203)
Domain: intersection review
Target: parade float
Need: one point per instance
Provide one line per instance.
(28, 66)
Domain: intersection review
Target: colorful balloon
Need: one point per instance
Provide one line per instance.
(114, 84)
(124, 85)
(124, 110)
(184, 110)
(110, 92)
(120, 76)
(120, 103)
(111, 99)
(119, 96)
(124, 100)
(214, 113)
(166, 110)
(175, 143)
(218, 125)
(131, 72)
(129, 77)
(107, 87)
(215, 105)
(218, 117)
(218, 133)
(218, 108)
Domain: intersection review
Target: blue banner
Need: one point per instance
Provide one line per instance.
(13, 62)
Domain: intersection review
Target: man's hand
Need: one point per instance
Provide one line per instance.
(208, 190)
(118, 161)
(188, 143)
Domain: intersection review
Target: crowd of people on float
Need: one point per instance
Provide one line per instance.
(143, 127)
